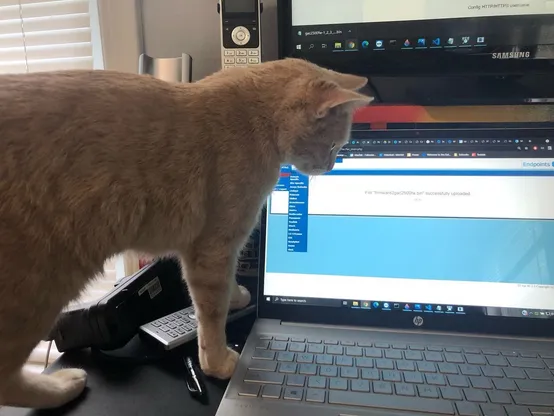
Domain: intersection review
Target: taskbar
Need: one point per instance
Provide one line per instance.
(408, 307)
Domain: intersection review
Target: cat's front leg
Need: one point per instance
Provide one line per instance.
(211, 281)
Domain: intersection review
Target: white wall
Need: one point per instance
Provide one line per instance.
(172, 27)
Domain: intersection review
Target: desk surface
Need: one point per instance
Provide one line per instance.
(116, 387)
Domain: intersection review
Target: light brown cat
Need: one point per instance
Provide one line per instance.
(93, 163)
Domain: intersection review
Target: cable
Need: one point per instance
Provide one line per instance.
(47, 354)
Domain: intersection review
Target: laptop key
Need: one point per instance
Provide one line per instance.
(475, 359)
(470, 370)
(249, 390)
(316, 348)
(293, 393)
(536, 386)
(538, 374)
(297, 339)
(435, 379)
(458, 381)
(533, 399)
(328, 371)
(517, 411)
(426, 367)
(297, 347)
(499, 397)
(285, 356)
(455, 358)
(308, 369)
(348, 343)
(278, 346)
(504, 384)
(349, 372)
(447, 368)
(344, 361)
(515, 373)
(480, 382)
(315, 396)
(526, 363)
(451, 393)
(317, 382)
(281, 338)
(428, 391)
(433, 356)
(287, 368)
(393, 354)
(384, 364)
(382, 387)
(354, 351)
(305, 358)
(413, 377)
(403, 389)
(373, 352)
(364, 362)
(295, 380)
(400, 403)
(492, 372)
(338, 384)
(468, 409)
(404, 365)
(497, 360)
(324, 359)
(391, 375)
(473, 395)
(413, 355)
(260, 365)
(271, 392)
(370, 374)
(331, 342)
(359, 385)
(492, 410)
(263, 377)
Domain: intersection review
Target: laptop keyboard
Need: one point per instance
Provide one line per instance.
(427, 379)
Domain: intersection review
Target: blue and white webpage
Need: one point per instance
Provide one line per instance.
(441, 222)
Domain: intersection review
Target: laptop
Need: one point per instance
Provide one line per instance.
(417, 277)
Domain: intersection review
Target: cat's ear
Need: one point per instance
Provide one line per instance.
(347, 81)
(333, 96)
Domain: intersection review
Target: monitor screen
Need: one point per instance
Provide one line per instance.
(454, 218)
(409, 36)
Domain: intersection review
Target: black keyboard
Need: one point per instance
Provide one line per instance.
(429, 379)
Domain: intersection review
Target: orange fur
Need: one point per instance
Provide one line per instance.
(93, 163)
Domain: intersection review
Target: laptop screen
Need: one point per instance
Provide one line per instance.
(448, 218)
(408, 36)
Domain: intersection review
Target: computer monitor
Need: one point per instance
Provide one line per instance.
(511, 43)
(452, 219)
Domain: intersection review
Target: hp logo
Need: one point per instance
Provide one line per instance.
(418, 321)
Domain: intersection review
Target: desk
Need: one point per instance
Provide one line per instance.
(120, 388)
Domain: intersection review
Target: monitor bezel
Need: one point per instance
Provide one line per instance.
(322, 315)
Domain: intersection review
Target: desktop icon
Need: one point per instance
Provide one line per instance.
(455, 154)
(460, 308)
(449, 308)
(465, 40)
(480, 39)
(375, 305)
(378, 43)
(338, 45)
(421, 42)
(392, 42)
(407, 43)
(524, 313)
(386, 305)
(407, 306)
(351, 44)
(298, 47)
(437, 42)
(428, 307)
(355, 303)
(450, 41)
(299, 33)
(365, 44)
(439, 308)
(408, 155)
(268, 299)
(323, 46)
(396, 306)
(365, 304)
(344, 303)
(417, 306)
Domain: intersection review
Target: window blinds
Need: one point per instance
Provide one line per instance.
(44, 35)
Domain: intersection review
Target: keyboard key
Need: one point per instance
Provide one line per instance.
(473, 395)
(517, 411)
(316, 348)
(279, 346)
(526, 363)
(492, 372)
(458, 381)
(370, 374)
(308, 369)
(453, 349)
(354, 351)
(373, 353)
(349, 372)
(293, 393)
(298, 339)
(384, 364)
(297, 347)
(281, 338)
(324, 359)
(348, 343)
(249, 390)
(331, 342)
(365, 344)
(382, 345)
(451, 393)
(413, 377)
(271, 392)
(447, 368)
(404, 365)
(497, 360)
(509, 353)
(375, 401)
(314, 341)
(470, 370)
(315, 396)
(265, 337)
(364, 362)
(480, 382)
(492, 410)
(285, 356)
(399, 346)
(338, 384)
(549, 364)
(435, 379)
(499, 397)
(454, 358)
(516, 373)
(528, 354)
(538, 374)
(426, 367)
(533, 399)
(305, 358)
(393, 354)
(491, 352)
(468, 409)
(264, 377)
(475, 359)
(294, 380)
(264, 345)
(434, 348)
(328, 371)
(536, 386)
(403, 389)
(334, 349)
(413, 355)
(262, 365)
(417, 347)
(433, 356)
(504, 384)
(359, 385)
(317, 382)
(287, 368)
(472, 350)
(344, 361)
(391, 375)
(546, 355)
(428, 391)
(382, 387)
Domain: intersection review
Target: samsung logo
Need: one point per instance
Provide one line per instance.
(511, 55)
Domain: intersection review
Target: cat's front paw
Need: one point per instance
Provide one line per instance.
(240, 298)
(219, 366)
